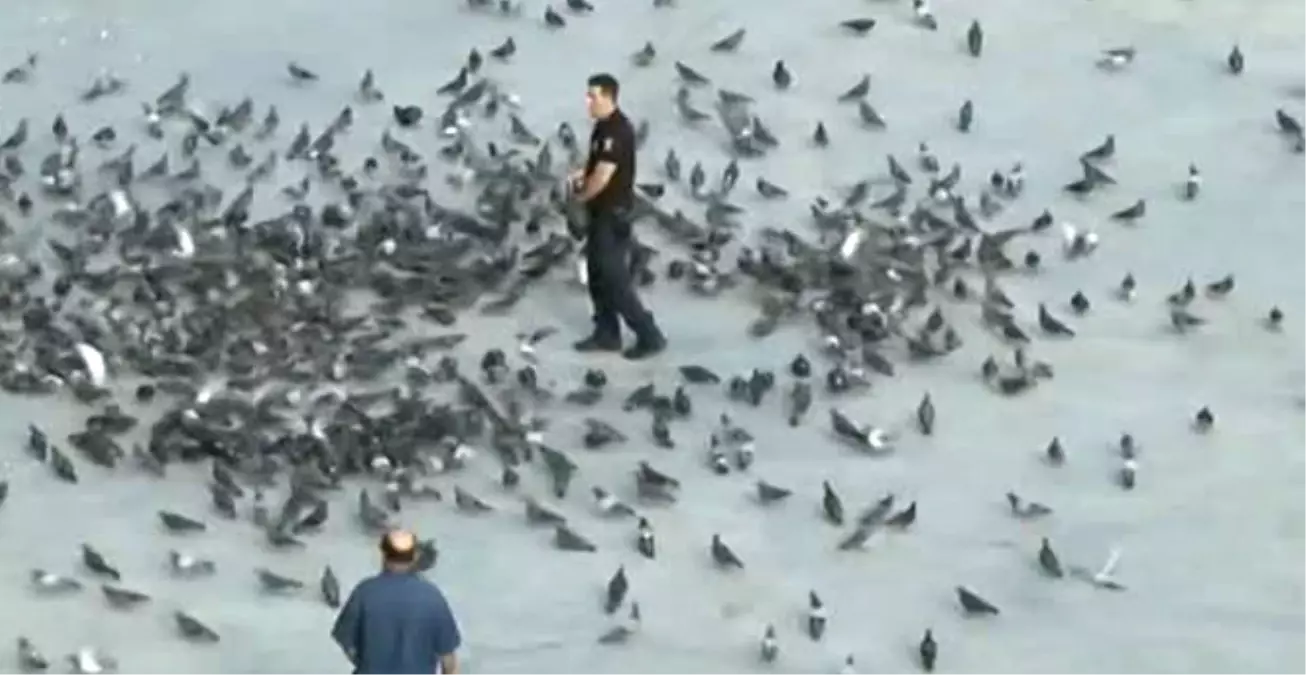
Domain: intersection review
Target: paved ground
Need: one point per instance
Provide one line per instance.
(1213, 538)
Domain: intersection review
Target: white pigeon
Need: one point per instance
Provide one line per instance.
(1069, 234)
(851, 243)
(185, 242)
(608, 504)
(121, 203)
(211, 388)
(189, 564)
(1105, 577)
(1116, 59)
(51, 582)
(91, 661)
(96, 370)
(1077, 242)
(877, 438)
(526, 342)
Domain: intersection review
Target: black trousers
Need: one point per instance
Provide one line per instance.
(608, 251)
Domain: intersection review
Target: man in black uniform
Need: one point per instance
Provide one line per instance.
(606, 187)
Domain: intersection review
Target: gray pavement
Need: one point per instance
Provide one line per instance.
(1212, 538)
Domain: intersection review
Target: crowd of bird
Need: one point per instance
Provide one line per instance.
(302, 352)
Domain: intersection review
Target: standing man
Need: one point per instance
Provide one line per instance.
(607, 188)
(396, 621)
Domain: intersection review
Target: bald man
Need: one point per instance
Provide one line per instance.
(397, 621)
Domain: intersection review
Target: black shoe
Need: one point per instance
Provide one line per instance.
(646, 348)
(595, 343)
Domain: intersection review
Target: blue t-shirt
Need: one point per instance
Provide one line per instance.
(396, 622)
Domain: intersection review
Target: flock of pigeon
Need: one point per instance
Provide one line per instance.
(314, 351)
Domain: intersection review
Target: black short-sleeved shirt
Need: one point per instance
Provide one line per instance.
(613, 140)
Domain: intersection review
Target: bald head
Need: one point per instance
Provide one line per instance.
(398, 547)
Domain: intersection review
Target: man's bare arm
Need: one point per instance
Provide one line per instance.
(449, 664)
(597, 180)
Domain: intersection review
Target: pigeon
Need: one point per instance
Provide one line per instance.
(299, 73)
(123, 598)
(567, 539)
(859, 26)
(276, 583)
(973, 604)
(1131, 213)
(1235, 61)
(1027, 510)
(91, 661)
(925, 415)
(1192, 183)
(608, 504)
(1048, 561)
(769, 648)
(367, 89)
(193, 629)
(329, 586)
(618, 586)
(723, 556)
(645, 542)
(729, 43)
(817, 616)
(97, 563)
(30, 659)
(1116, 58)
(975, 39)
(188, 565)
(179, 524)
(831, 504)
(928, 651)
(1104, 577)
(407, 116)
(780, 76)
(644, 57)
(768, 493)
(1273, 319)
(50, 582)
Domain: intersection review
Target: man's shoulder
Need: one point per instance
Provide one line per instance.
(367, 584)
(622, 124)
(616, 124)
(384, 580)
(413, 583)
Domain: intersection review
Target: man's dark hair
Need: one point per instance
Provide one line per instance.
(396, 555)
(606, 84)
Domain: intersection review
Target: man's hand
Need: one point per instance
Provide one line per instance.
(576, 180)
(449, 664)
